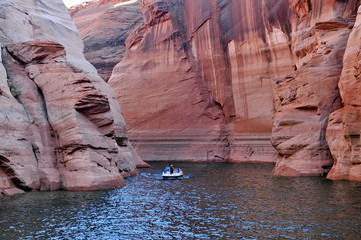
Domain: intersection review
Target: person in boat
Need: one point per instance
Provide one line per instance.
(171, 169)
(167, 169)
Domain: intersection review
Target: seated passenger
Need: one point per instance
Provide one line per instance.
(167, 169)
(171, 169)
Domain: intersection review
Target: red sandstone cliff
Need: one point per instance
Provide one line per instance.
(306, 97)
(173, 115)
(343, 131)
(212, 79)
(60, 124)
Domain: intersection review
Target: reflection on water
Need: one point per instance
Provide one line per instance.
(213, 201)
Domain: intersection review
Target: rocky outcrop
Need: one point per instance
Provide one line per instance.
(306, 98)
(267, 71)
(61, 127)
(343, 131)
(104, 25)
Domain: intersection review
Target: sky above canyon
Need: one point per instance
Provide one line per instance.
(69, 3)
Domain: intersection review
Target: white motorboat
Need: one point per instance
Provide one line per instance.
(172, 173)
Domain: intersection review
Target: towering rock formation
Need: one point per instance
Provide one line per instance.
(61, 126)
(242, 48)
(343, 131)
(104, 25)
(305, 98)
(221, 79)
(173, 114)
(237, 56)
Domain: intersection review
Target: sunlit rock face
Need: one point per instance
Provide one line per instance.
(343, 131)
(61, 126)
(104, 25)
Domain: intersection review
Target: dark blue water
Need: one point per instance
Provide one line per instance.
(213, 201)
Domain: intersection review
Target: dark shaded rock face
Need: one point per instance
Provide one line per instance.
(104, 25)
(221, 79)
(59, 121)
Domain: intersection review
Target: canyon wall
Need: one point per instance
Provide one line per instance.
(61, 126)
(252, 80)
(241, 54)
(306, 97)
(343, 131)
(172, 114)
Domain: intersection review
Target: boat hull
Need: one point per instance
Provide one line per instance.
(172, 176)
(175, 175)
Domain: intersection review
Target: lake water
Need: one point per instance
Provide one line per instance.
(213, 201)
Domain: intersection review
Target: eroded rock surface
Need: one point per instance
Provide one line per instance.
(173, 116)
(61, 126)
(241, 55)
(343, 131)
(307, 97)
